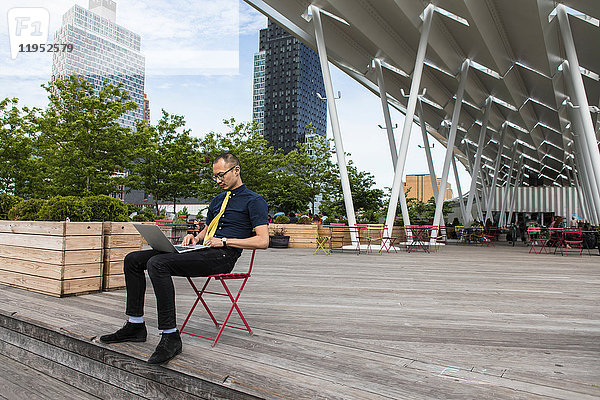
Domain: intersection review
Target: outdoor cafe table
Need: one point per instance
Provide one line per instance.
(337, 234)
(417, 236)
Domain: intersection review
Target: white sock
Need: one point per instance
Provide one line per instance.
(136, 320)
(172, 330)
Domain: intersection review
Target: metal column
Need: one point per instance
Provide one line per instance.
(335, 125)
(427, 148)
(578, 89)
(460, 196)
(439, 203)
(496, 170)
(390, 134)
(515, 189)
(408, 119)
(507, 190)
(477, 165)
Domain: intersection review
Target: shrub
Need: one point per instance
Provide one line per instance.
(282, 219)
(304, 220)
(106, 208)
(7, 201)
(139, 218)
(329, 220)
(60, 208)
(26, 210)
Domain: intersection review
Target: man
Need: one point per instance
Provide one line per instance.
(228, 231)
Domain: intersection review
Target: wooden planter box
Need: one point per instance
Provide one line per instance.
(55, 258)
(301, 236)
(120, 239)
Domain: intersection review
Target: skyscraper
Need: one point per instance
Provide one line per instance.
(102, 50)
(287, 78)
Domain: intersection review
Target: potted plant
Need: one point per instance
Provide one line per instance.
(278, 240)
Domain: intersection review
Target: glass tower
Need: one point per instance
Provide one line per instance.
(102, 50)
(287, 78)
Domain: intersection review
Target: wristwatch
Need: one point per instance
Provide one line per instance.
(224, 241)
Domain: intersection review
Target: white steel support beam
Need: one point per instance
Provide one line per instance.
(501, 221)
(335, 124)
(439, 201)
(432, 176)
(574, 181)
(492, 192)
(588, 183)
(585, 184)
(579, 95)
(386, 111)
(515, 189)
(476, 192)
(408, 120)
(477, 165)
(390, 131)
(460, 196)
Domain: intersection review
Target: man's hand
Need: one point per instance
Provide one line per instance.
(189, 240)
(214, 242)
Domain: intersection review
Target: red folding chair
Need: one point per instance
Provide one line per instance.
(167, 227)
(573, 238)
(223, 278)
(490, 233)
(537, 240)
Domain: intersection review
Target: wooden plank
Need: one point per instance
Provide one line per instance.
(75, 271)
(130, 241)
(54, 257)
(31, 268)
(30, 282)
(53, 287)
(119, 228)
(82, 285)
(28, 242)
(83, 228)
(86, 256)
(118, 254)
(83, 242)
(20, 381)
(50, 256)
(111, 282)
(113, 268)
(50, 228)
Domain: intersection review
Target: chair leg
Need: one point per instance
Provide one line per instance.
(233, 306)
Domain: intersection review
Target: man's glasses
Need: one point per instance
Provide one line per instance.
(221, 175)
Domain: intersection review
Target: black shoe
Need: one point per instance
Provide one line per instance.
(130, 332)
(169, 347)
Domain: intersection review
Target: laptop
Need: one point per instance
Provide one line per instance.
(159, 242)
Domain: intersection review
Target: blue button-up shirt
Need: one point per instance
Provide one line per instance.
(245, 211)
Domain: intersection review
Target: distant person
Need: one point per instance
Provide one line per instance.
(231, 218)
(573, 223)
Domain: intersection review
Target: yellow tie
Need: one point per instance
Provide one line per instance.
(212, 227)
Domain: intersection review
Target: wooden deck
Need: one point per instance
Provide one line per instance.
(466, 322)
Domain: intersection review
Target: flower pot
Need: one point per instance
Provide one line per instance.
(279, 242)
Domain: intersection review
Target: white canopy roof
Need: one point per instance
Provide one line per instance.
(516, 52)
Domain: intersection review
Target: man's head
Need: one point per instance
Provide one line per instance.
(226, 171)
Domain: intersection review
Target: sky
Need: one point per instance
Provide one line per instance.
(199, 64)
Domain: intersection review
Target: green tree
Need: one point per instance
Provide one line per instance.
(19, 173)
(168, 168)
(80, 143)
(311, 170)
(367, 199)
(260, 162)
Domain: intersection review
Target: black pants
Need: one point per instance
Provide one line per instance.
(161, 267)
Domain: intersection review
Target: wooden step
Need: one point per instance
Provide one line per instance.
(83, 367)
